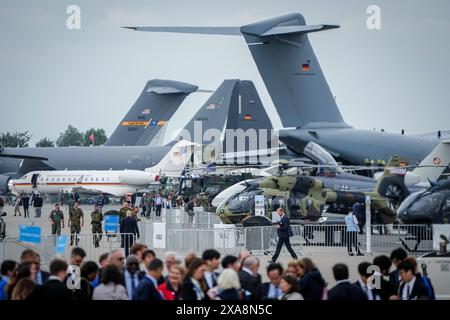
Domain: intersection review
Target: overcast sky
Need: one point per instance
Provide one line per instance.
(394, 78)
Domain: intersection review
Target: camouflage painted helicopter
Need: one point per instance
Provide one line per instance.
(305, 198)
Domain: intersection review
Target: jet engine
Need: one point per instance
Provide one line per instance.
(4, 183)
(138, 178)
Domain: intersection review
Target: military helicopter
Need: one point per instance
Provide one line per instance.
(305, 198)
(428, 206)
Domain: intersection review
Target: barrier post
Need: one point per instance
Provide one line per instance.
(368, 226)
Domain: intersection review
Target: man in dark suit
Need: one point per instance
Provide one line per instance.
(410, 287)
(41, 276)
(55, 288)
(284, 232)
(148, 286)
(386, 289)
(344, 290)
(397, 256)
(132, 275)
(26, 205)
(364, 282)
(271, 290)
(212, 259)
(29, 255)
(249, 277)
(129, 227)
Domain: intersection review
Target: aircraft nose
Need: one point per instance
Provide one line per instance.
(292, 140)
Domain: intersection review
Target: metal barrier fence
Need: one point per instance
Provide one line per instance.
(196, 219)
(11, 248)
(225, 240)
(311, 238)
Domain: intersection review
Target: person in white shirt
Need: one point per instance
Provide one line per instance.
(364, 281)
(158, 204)
(411, 286)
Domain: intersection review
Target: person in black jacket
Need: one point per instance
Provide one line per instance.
(249, 277)
(344, 290)
(386, 289)
(54, 288)
(148, 286)
(410, 287)
(271, 290)
(284, 232)
(26, 205)
(132, 275)
(41, 275)
(364, 270)
(37, 204)
(194, 286)
(130, 229)
(89, 271)
(311, 283)
(397, 256)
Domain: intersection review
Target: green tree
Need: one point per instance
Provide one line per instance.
(71, 137)
(45, 142)
(15, 139)
(99, 136)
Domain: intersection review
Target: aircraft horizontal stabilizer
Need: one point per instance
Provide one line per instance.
(226, 31)
(237, 31)
(22, 156)
(285, 30)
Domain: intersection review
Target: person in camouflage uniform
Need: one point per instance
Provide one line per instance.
(96, 221)
(71, 202)
(57, 218)
(76, 221)
(149, 205)
(135, 213)
(203, 201)
(123, 211)
(122, 214)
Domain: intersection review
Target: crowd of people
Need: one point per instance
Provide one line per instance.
(144, 276)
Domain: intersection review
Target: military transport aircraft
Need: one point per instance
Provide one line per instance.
(308, 111)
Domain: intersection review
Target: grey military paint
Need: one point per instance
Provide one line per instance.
(152, 110)
(302, 97)
(223, 104)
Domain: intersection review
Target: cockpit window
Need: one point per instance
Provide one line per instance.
(244, 202)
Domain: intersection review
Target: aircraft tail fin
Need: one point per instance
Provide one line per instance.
(212, 115)
(435, 164)
(155, 106)
(175, 161)
(288, 65)
(234, 105)
(291, 71)
(247, 113)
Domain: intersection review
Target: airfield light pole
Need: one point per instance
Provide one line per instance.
(368, 226)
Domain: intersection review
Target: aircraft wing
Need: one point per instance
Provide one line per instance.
(29, 165)
(95, 190)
